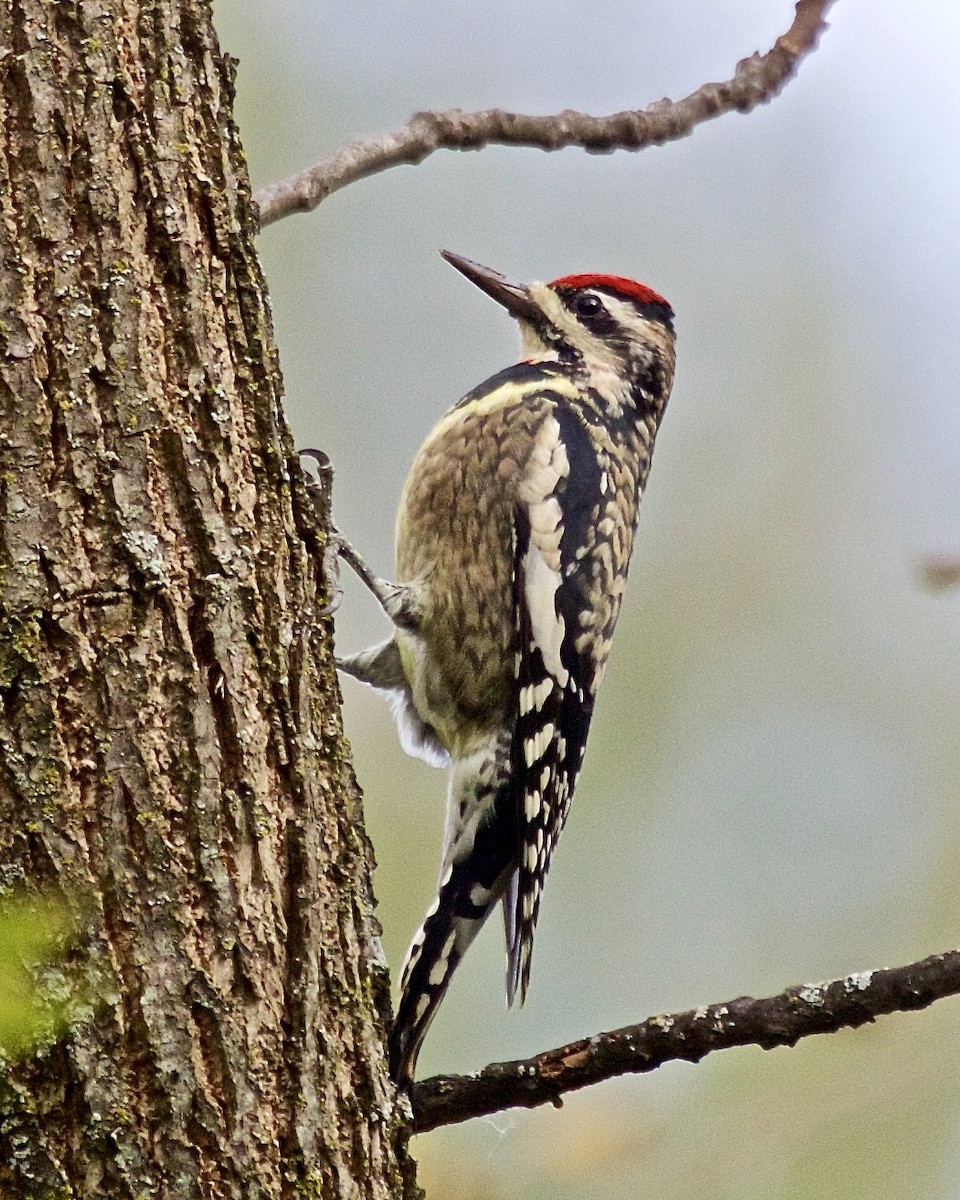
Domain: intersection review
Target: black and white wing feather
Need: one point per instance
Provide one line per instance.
(559, 657)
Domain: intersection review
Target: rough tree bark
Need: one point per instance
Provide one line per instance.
(171, 759)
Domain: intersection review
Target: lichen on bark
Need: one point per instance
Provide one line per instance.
(171, 757)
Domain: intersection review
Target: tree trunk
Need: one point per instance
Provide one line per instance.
(172, 756)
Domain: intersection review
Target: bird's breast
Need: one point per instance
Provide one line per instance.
(455, 534)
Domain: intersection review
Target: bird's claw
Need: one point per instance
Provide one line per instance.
(396, 599)
(319, 481)
(330, 571)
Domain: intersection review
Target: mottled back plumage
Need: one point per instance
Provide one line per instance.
(514, 538)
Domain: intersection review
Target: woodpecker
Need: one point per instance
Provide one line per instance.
(513, 541)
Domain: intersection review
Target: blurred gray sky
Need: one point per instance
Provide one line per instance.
(770, 793)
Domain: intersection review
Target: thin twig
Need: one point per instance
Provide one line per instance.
(775, 1021)
(756, 80)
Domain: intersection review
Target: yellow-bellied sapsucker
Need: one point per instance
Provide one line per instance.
(513, 542)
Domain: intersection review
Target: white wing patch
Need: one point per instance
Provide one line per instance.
(548, 464)
(546, 625)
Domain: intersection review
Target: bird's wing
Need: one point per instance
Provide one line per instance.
(556, 543)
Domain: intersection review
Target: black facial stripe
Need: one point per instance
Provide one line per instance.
(648, 383)
(661, 313)
(602, 324)
(568, 354)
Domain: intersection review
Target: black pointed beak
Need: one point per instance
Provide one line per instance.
(515, 297)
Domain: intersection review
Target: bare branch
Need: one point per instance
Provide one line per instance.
(775, 1021)
(756, 80)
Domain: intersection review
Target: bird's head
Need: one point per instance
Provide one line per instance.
(618, 333)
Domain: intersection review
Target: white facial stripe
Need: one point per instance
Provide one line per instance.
(609, 363)
(638, 332)
(574, 333)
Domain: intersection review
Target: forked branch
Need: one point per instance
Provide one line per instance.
(774, 1021)
(756, 80)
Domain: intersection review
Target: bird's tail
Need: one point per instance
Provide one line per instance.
(479, 861)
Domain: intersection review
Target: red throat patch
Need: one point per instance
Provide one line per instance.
(638, 292)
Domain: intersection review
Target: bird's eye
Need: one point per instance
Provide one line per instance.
(588, 306)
